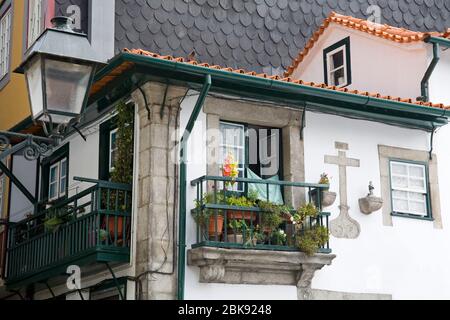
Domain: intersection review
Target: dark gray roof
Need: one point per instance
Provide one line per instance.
(257, 35)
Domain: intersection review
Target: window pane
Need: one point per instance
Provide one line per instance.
(417, 171)
(52, 191)
(64, 168)
(5, 29)
(53, 174)
(418, 208)
(399, 182)
(338, 77)
(400, 205)
(417, 184)
(337, 59)
(399, 168)
(62, 186)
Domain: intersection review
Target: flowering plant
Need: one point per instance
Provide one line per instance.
(230, 169)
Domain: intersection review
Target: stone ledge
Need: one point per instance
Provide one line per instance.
(259, 267)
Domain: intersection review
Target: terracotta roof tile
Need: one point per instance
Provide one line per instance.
(399, 35)
(127, 65)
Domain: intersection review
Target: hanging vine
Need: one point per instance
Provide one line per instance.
(123, 166)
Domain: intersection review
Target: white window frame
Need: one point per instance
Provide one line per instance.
(35, 21)
(409, 191)
(330, 71)
(58, 165)
(111, 150)
(5, 42)
(241, 162)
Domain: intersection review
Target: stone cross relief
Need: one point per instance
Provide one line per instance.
(344, 226)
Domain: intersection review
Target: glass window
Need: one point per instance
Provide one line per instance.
(337, 63)
(409, 188)
(5, 41)
(57, 182)
(337, 69)
(63, 178)
(35, 21)
(112, 149)
(232, 142)
(53, 182)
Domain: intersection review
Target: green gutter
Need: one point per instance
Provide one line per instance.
(441, 41)
(426, 117)
(183, 184)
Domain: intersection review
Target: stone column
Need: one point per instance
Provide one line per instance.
(294, 161)
(156, 186)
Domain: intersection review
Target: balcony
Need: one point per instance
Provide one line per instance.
(259, 231)
(222, 220)
(87, 229)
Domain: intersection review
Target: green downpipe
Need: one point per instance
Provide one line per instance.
(426, 78)
(183, 184)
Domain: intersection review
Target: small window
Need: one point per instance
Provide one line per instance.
(409, 189)
(5, 42)
(35, 21)
(232, 142)
(337, 64)
(112, 149)
(57, 180)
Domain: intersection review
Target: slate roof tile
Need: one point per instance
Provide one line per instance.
(264, 22)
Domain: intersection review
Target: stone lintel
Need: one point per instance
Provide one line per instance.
(258, 267)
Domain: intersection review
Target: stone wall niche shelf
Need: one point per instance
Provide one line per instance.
(370, 203)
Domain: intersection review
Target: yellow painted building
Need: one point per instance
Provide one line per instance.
(14, 105)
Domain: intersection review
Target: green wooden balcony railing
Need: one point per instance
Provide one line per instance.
(226, 224)
(92, 226)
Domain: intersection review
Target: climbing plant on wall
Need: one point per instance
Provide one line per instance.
(123, 166)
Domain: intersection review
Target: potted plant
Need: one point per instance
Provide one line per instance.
(279, 237)
(210, 218)
(327, 197)
(239, 230)
(271, 216)
(311, 240)
(241, 202)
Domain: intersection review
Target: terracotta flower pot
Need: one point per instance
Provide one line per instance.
(241, 215)
(112, 224)
(212, 226)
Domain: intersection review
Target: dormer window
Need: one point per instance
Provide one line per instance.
(338, 64)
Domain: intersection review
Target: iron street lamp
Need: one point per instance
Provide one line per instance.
(59, 71)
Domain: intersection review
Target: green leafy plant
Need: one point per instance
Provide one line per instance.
(123, 165)
(238, 226)
(313, 239)
(305, 211)
(58, 216)
(324, 179)
(271, 216)
(240, 202)
(203, 216)
(279, 237)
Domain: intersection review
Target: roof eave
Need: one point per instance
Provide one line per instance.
(417, 116)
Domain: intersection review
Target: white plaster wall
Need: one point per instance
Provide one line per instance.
(194, 290)
(407, 260)
(440, 79)
(378, 65)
